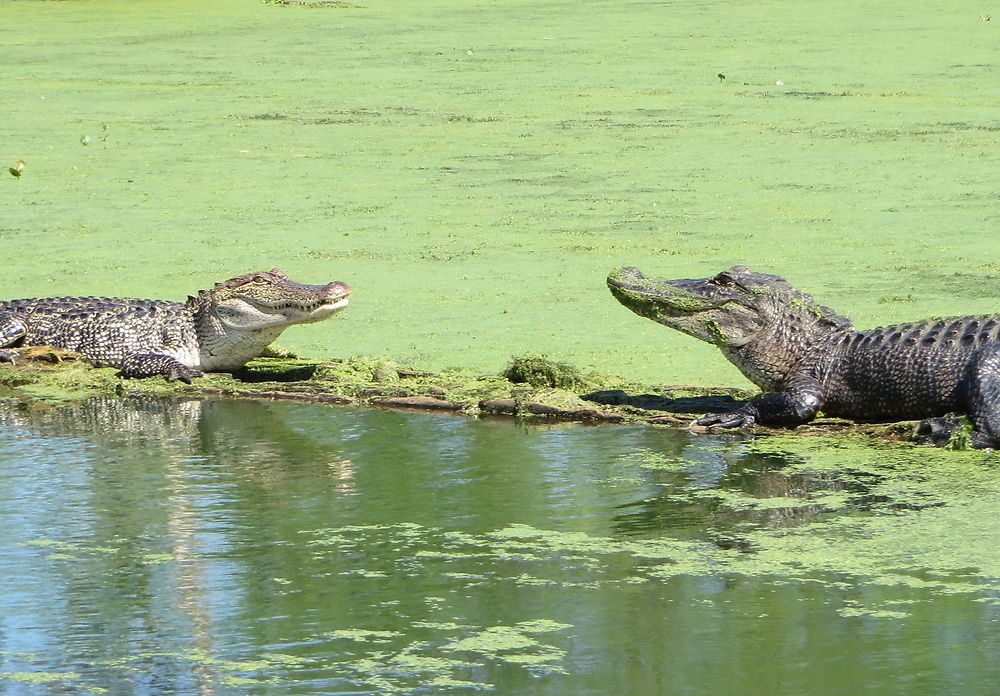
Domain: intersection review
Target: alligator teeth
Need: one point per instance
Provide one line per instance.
(312, 306)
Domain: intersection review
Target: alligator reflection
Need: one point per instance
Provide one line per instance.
(266, 442)
(722, 488)
(253, 433)
(131, 496)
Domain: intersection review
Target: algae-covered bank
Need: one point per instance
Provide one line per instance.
(474, 169)
(530, 388)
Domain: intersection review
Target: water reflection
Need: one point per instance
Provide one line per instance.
(696, 498)
(230, 546)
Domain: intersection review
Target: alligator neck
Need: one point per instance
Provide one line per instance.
(778, 349)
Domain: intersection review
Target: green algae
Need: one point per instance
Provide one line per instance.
(870, 612)
(926, 528)
(515, 645)
(59, 550)
(363, 636)
(474, 173)
(55, 680)
(441, 659)
(717, 335)
(266, 668)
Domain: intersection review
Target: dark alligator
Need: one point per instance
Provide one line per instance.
(216, 330)
(807, 358)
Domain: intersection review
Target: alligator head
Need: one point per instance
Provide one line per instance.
(725, 310)
(760, 321)
(268, 300)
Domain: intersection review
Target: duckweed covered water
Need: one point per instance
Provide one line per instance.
(248, 547)
(475, 169)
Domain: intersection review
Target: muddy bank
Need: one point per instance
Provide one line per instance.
(530, 387)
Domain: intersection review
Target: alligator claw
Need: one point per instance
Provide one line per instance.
(935, 431)
(733, 419)
(183, 373)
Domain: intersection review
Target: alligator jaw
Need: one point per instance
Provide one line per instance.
(304, 304)
(335, 298)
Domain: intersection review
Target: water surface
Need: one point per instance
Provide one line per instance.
(251, 547)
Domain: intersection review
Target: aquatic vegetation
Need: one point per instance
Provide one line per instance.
(58, 550)
(539, 371)
(447, 660)
(897, 525)
(56, 680)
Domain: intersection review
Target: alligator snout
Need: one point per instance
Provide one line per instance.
(337, 289)
(625, 277)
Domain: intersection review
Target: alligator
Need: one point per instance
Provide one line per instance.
(217, 330)
(806, 358)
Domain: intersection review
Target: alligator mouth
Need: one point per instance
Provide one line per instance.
(308, 307)
(332, 305)
(337, 299)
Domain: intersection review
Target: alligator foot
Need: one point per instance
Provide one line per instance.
(149, 364)
(9, 356)
(183, 373)
(936, 431)
(733, 419)
(952, 432)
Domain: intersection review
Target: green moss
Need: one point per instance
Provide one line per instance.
(364, 368)
(715, 333)
(961, 436)
(539, 371)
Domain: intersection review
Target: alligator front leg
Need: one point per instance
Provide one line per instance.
(12, 329)
(798, 404)
(150, 364)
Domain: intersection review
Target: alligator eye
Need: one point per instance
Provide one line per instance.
(724, 279)
(259, 279)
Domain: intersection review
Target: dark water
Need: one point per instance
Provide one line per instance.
(246, 547)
